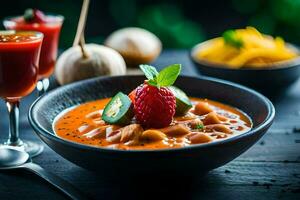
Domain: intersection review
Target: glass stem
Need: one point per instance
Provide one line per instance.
(42, 86)
(13, 110)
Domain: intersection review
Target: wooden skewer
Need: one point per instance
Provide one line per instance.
(81, 44)
(79, 37)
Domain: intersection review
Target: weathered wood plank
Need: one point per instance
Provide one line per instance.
(237, 179)
(275, 147)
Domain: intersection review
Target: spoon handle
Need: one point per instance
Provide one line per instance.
(56, 181)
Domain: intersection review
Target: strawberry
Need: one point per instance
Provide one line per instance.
(154, 102)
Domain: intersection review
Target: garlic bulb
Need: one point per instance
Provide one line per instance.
(136, 45)
(73, 66)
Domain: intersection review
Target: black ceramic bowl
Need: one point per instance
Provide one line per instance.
(270, 80)
(193, 159)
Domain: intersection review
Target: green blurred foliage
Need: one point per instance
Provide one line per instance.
(123, 17)
(178, 24)
(169, 24)
(263, 22)
(164, 20)
(246, 6)
(168, 21)
(275, 17)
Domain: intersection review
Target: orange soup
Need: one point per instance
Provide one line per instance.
(207, 121)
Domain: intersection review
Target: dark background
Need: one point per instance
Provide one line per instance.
(179, 24)
(269, 170)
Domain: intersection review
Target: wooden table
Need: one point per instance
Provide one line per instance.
(269, 170)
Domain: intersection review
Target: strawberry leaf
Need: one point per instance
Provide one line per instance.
(149, 71)
(168, 75)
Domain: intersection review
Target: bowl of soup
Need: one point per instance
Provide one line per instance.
(246, 56)
(223, 121)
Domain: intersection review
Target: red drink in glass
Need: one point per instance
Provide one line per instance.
(51, 29)
(19, 63)
(19, 56)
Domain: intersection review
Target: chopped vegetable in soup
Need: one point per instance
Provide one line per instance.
(155, 115)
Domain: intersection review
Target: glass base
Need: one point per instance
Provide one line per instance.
(32, 148)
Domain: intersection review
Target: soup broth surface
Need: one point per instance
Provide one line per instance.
(83, 124)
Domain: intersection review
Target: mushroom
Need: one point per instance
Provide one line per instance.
(136, 45)
(84, 61)
(73, 66)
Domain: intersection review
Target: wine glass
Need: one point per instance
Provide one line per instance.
(19, 61)
(50, 27)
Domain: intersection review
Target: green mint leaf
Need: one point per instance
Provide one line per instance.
(168, 75)
(231, 39)
(199, 126)
(149, 71)
(152, 82)
(28, 15)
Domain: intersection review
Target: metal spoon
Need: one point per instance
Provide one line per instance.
(11, 158)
